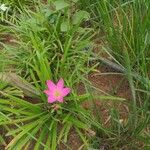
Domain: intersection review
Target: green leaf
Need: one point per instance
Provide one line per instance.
(105, 97)
(79, 16)
(146, 148)
(22, 120)
(27, 133)
(21, 134)
(66, 132)
(40, 139)
(60, 4)
(64, 27)
(24, 140)
(75, 1)
(78, 123)
(48, 140)
(54, 136)
(61, 133)
(2, 141)
(66, 117)
(82, 136)
(23, 103)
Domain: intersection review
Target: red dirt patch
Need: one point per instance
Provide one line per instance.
(113, 84)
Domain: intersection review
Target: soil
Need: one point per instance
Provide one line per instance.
(115, 85)
(73, 143)
(8, 39)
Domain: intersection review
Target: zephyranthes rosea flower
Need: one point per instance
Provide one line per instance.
(56, 92)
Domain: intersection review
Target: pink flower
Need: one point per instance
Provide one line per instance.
(56, 92)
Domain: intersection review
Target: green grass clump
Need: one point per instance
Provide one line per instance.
(125, 29)
(47, 44)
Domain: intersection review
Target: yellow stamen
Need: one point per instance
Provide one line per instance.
(57, 93)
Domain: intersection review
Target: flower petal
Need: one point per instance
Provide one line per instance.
(60, 84)
(51, 99)
(47, 92)
(51, 85)
(66, 91)
(60, 100)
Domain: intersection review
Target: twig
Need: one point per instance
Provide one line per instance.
(20, 83)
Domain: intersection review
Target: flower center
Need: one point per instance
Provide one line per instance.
(57, 93)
